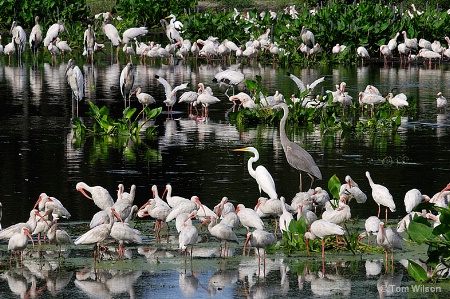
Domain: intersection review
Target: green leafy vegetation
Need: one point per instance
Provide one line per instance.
(106, 125)
(437, 238)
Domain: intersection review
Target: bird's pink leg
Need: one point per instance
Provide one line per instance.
(323, 248)
(368, 239)
(378, 211)
(386, 214)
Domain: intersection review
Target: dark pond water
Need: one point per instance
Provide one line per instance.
(39, 154)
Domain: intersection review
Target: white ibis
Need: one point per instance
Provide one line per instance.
(170, 92)
(18, 242)
(99, 195)
(389, 239)
(260, 239)
(98, 234)
(322, 229)
(222, 232)
(381, 195)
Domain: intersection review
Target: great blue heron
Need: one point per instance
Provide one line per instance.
(296, 156)
(126, 82)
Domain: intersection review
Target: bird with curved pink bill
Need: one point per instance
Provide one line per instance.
(98, 234)
(30, 224)
(381, 196)
(188, 237)
(322, 229)
(260, 239)
(18, 242)
(185, 207)
(99, 195)
(389, 239)
(222, 232)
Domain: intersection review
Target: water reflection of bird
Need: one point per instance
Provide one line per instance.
(441, 102)
(260, 173)
(296, 156)
(388, 284)
(381, 195)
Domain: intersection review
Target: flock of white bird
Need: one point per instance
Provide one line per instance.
(111, 222)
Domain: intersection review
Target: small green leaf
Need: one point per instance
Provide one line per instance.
(334, 185)
(416, 271)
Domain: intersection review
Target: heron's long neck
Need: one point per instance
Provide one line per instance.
(283, 135)
(249, 165)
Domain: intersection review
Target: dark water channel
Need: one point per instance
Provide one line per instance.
(39, 154)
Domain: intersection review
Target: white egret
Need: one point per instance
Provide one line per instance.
(260, 174)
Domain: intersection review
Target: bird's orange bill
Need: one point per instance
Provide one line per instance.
(37, 202)
(258, 204)
(117, 215)
(84, 193)
(443, 190)
(204, 222)
(197, 200)
(244, 149)
(27, 232)
(42, 218)
(144, 205)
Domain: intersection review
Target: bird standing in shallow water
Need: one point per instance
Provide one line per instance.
(381, 195)
(296, 156)
(126, 81)
(260, 239)
(75, 79)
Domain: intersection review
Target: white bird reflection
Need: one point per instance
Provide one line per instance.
(388, 284)
(107, 283)
(221, 280)
(373, 267)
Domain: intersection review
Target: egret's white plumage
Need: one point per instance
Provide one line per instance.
(260, 173)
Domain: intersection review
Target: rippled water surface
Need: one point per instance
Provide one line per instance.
(39, 154)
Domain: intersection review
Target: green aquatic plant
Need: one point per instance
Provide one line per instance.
(127, 125)
(421, 231)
